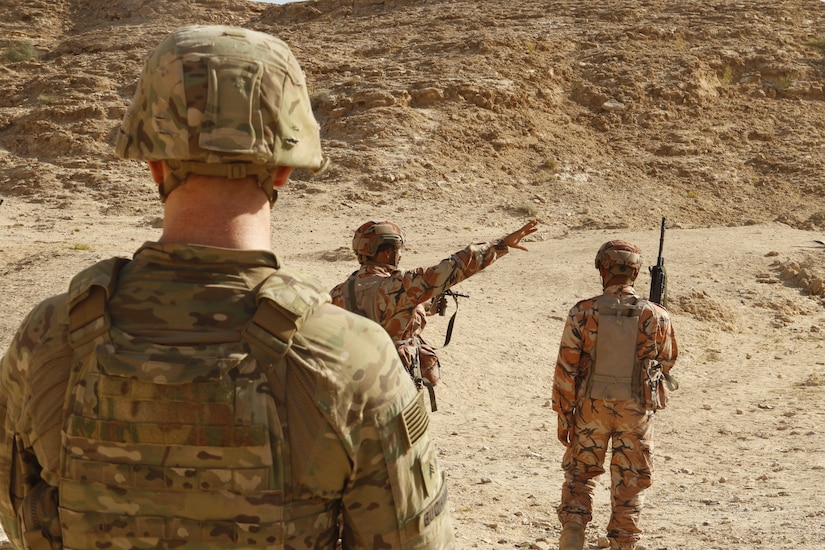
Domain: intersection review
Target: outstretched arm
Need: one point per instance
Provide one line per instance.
(419, 285)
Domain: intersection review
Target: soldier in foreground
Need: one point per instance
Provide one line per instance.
(395, 298)
(213, 399)
(608, 383)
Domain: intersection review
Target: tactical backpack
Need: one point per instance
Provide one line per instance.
(171, 445)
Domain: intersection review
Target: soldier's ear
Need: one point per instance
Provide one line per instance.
(157, 169)
(281, 175)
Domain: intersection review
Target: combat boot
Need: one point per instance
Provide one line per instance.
(572, 536)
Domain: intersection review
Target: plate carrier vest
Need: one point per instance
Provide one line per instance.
(617, 372)
(167, 446)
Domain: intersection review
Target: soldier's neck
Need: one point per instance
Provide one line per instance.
(231, 215)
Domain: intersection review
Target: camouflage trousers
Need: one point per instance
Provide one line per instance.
(628, 429)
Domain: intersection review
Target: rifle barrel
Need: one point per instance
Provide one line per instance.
(662, 239)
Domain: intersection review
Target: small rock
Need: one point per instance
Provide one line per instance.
(613, 105)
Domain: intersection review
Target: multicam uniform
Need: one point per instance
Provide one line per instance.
(627, 424)
(351, 438)
(394, 298)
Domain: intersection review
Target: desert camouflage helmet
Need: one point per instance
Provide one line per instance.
(371, 235)
(617, 256)
(222, 101)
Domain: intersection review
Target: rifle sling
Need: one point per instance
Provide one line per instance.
(451, 324)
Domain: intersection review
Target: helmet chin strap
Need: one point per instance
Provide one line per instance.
(179, 170)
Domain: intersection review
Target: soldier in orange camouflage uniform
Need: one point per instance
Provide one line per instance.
(606, 398)
(395, 298)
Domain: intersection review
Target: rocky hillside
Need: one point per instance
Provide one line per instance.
(585, 114)
(460, 119)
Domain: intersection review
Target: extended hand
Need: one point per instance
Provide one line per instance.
(513, 240)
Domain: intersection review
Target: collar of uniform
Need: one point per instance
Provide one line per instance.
(377, 269)
(197, 254)
(620, 289)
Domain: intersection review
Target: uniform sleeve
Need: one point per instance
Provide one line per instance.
(8, 518)
(33, 376)
(421, 284)
(667, 349)
(567, 366)
(395, 495)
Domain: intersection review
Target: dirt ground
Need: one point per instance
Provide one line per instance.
(459, 120)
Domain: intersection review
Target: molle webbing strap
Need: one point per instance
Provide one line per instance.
(614, 368)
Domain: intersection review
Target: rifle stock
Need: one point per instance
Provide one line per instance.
(658, 275)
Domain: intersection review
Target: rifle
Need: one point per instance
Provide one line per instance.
(440, 307)
(658, 275)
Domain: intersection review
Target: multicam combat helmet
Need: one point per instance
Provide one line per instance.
(619, 257)
(371, 235)
(221, 101)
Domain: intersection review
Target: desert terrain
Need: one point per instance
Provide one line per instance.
(460, 120)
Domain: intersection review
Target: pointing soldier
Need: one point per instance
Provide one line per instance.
(213, 398)
(614, 353)
(395, 298)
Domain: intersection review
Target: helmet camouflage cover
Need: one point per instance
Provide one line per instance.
(371, 235)
(619, 256)
(224, 101)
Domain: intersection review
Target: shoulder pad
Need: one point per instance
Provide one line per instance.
(102, 274)
(89, 291)
(285, 300)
